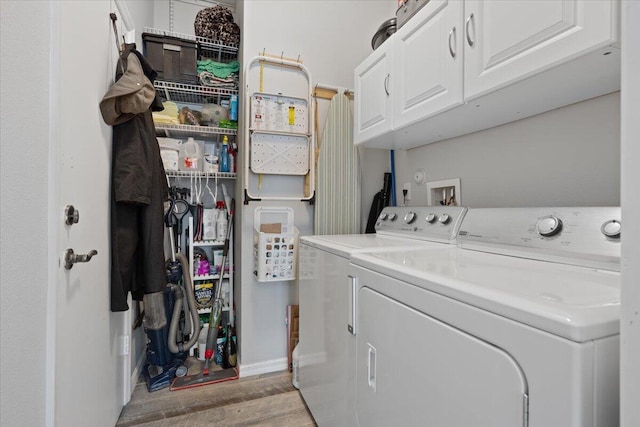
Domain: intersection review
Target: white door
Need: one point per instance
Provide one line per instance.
(428, 63)
(413, 370)
(89, 378)
(506, 41)
(373, 105)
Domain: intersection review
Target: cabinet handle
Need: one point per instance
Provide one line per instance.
(352, 298)
(469, 19)
(386, 84)
(371, 367)
(452, 33)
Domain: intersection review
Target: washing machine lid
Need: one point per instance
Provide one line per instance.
(345, 245)
(577, 303)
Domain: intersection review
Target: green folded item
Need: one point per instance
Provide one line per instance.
(218, 69)
(228, 124)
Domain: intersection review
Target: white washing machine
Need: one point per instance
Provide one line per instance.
(327, 347)
(517, 326)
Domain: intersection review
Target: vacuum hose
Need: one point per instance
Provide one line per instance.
(177, 309)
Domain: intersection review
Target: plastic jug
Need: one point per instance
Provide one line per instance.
(190, 156)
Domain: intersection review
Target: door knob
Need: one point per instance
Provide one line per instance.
(71, 258)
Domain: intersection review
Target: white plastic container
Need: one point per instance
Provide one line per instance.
(190, 156)
(275, 254)
(202, 341)
(209, 218)
(221, 226)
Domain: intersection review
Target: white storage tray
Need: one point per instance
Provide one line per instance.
(279, 154)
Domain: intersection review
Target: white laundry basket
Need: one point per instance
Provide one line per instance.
(275, 244)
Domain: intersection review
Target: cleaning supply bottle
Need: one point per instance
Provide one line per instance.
(229, 354)
(220, 341)
(232, 159)
(233, 110)
(221, 224)
(224, 155)
(202, 341)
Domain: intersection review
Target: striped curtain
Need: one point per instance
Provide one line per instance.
(337, 207)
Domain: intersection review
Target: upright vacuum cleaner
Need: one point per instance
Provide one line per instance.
(170, 316)
(207, 376)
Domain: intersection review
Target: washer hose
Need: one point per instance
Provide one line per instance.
(177, 309)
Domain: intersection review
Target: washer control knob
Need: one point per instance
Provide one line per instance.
(431, 218)
(392, 216)
(409, 217)
(383, 216)
(612, 228)
(548, 226)
(444, 218)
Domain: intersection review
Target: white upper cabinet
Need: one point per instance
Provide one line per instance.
(506, 41)
(373, 103)
(460, 66)
(427, 70)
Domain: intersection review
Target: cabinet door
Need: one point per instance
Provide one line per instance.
(506, 41)
(428, 62)
(413, 370)
(373, 80)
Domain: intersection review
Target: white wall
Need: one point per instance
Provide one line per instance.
(24, 173)
(630, 321)
(565, 157)
(331, 37)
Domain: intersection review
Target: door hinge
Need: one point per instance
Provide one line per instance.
(525, 410)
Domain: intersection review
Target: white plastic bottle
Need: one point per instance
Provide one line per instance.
(202, 341)
(221, 225)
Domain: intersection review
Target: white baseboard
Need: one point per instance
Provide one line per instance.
(135, 375)
(274, 365)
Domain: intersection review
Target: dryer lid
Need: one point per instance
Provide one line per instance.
(576, 303)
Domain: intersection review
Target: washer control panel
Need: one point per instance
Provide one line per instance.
(588, 236)
(437, 223)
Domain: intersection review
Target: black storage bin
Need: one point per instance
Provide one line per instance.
(173, 58)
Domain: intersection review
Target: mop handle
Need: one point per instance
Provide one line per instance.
(216, 308)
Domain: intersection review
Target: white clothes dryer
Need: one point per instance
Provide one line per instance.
(518, 326)
(326, 348)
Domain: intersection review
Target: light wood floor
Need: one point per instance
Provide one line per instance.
(261, 400)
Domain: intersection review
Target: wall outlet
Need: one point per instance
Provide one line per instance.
(407, 186)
